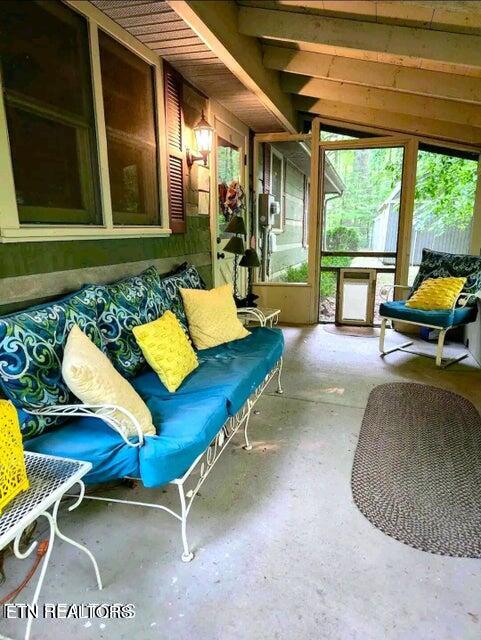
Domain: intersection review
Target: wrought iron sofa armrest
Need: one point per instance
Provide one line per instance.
(105, 412)
(388, 288)
(252, 311)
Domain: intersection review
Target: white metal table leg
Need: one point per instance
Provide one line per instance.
(62, 536)
(45, 562)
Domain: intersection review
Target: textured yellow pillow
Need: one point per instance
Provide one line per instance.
(167, 349)
(436, 293)
(90, 375)
(212, 316)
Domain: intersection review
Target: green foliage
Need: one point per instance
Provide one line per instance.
(296, 274)
(369, 176)
(445, 190)
(342, 239)
(328, 278)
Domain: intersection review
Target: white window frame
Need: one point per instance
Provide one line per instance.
(11, 230)
(278, 228)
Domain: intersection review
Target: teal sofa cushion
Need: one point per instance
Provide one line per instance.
(124, 305)
(437, 264)
(233, 370)
(442, 319)
(186, 421)
(188, 424)
(31, 351)
(91, 440)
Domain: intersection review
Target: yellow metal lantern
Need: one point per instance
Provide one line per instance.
(13, 476)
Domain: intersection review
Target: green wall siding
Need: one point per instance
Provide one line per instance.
(28, 258)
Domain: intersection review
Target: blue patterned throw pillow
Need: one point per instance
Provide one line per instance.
(186, 277)
(124, 305)
(437, 264)
(31, 352)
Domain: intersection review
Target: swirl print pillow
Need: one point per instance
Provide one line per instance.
(31, 352)
(124, 305)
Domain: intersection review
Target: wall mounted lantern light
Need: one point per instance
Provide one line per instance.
(203, 137)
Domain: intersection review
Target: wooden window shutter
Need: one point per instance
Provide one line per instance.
(175, 155)
(266, 178)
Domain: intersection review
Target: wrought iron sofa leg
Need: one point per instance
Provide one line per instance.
(279, 373)
(247, 445)
(187, 554)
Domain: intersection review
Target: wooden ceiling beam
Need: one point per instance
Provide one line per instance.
(374, 74)
(371, 40)
(444, 16)
(215, 22)
(382, 99)
(397, 122)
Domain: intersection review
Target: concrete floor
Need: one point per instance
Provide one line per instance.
(281, 550)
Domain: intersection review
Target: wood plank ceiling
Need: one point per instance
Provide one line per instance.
(160, 28)
(411, 66)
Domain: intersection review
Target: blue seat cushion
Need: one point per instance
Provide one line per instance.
(233, 370)
(188, 424)
(91, 440)
(438, 318)
(186, 421)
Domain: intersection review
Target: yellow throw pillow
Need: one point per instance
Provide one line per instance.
(436, 294)
(167, 349)
(212, 316)
(91, 376)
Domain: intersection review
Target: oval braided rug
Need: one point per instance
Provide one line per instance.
(417, 468)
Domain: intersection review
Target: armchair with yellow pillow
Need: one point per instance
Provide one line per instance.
(442, 297)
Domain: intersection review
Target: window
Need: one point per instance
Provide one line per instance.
(277, 188)
(80, 153)
(49, 112)
(444, 203)
(128, 92)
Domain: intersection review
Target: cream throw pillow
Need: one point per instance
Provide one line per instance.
(212, 316)
(90, 375)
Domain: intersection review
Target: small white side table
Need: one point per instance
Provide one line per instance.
(264, 316)
(50, 478)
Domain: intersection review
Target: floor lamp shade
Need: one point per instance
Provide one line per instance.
(235, 245)
(236, 225)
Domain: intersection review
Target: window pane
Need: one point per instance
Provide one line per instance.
(363, 194)
(443, 205)
(128, 90)
(49, 106)
(47, 172)
(283, 241)
(228, 169)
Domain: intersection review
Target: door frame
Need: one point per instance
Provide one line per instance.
(406, 204)
(223, 120)
(292, 298)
